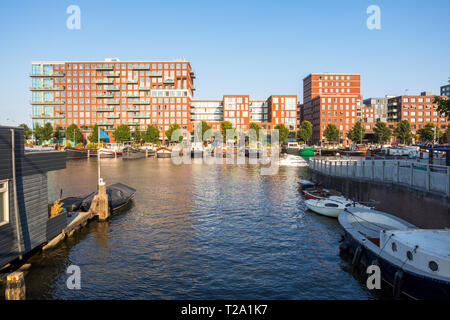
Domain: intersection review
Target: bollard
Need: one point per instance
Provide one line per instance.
(99, 205)
(15, 286)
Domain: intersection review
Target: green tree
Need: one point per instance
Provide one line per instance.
(255, 127)
(38, 133)
(356, 133)
(151, 135)
(224, 127)
(47, 132)
(205, 127)
(27, 133)
(170, 131)
(73, 133)
(93, 137)
(137, 135)
(331, 133)
(443, 106)
(122, 133)
(403, 131)
(382, 132)
(283, 132)
(57, 134)
(305, 131)
(429, 133)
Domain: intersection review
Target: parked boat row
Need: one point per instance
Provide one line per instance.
(414, 261)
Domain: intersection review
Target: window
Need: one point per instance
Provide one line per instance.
(4, 201)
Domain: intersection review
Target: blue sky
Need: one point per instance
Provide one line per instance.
(252, 47)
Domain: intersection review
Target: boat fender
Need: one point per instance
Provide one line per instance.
(357, 256)
(398, 283)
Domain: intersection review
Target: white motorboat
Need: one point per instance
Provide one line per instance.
(163, 152)
(415, 262)
(293, 148)
(292, 161)
(332, 206)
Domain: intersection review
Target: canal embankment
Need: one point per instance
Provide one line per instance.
(415, 192)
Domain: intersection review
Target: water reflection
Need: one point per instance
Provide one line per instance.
(197, 232)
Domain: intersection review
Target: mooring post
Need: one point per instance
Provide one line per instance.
(99, 205)
(15, 286)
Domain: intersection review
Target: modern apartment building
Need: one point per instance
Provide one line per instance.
(375, 109)
(418, 110)
(445, 90)
(112, 92)
(331, 98)
(141, 93)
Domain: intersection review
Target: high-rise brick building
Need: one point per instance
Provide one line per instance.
(331, 98)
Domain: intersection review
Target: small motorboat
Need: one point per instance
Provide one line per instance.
(293, 148)
(333, 206)
(307, 152)
(76, 153)
(415, 262)
(118, 196)
(307, 184)
(223, 151)
(317, 193)
(163, 152)
(292, 161)
(129, 153)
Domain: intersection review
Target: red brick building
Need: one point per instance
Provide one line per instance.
(331, 98)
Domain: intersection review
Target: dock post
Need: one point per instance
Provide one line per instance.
(15, 286)
(99, 205)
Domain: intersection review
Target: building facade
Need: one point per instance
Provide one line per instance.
(418, 110)
(445, 90)
(141, 93)
(112, 92)
(331, 98)
(375, 108)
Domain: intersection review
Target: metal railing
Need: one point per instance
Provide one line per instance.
(426, 177)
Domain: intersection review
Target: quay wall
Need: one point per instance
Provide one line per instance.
(421, 208)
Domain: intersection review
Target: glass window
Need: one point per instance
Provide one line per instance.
(4, 202)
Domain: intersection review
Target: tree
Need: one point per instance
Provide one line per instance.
(93, 137)
(382, 132)
(27, 133)
(122, 133)
(224, 127)
(205, 127)
(331, 133)
(429, 133)
(283, 132)
(403, 131)
(443, 106)
(357, 132)
(47, 132)
(170, 131)
(137, 135)
(73, 133)
(152, 134)
(38, 132)
(255, 127)
(57, 134)
(305, 131)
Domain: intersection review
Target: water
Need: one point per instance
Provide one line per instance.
(197, 232)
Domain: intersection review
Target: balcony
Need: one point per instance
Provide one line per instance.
(141, 67)
(129, 108)
(47, 116)
(168, 81)
(144, 88)
(113, 88)
(141, 102)
(192, 74)
(105, 109)
(105, 123)
(45, 75)
(113, 101)
(133, 123)
(53, 88)
(141, 116)
(156, 74)
(104, 67)
(103, 95)
(132, 81)
(392, 111)
(103, 81)
(114, 74)
(47, 102)
(392, 104)
(113, 116)
(133, 95)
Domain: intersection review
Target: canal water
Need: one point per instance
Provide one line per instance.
(197, 232)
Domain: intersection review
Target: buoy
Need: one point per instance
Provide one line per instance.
(398, 283)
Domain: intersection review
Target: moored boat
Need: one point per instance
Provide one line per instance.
(293, 148)
(307, 152)
(76, 153)
(415, 262)
(332, 206)
(292, 161)
(163, 152)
